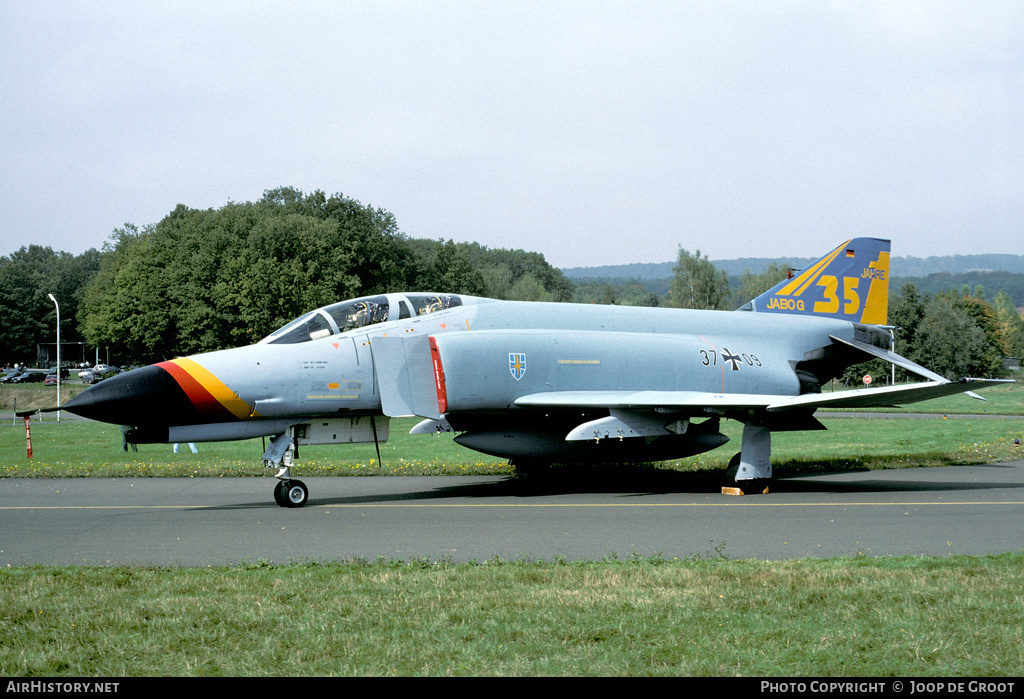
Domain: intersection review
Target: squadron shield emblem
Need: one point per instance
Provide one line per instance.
(517, 364)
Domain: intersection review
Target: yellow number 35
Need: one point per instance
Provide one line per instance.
(830, 284)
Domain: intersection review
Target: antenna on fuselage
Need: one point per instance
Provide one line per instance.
(376, 442)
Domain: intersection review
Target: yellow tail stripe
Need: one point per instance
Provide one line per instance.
(876, 308)
(805, 279)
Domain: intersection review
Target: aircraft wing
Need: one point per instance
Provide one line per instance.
(684, 401)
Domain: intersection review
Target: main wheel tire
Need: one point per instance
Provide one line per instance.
(732, 469)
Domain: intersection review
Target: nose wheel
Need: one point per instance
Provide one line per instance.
(291, 493)
(288, 492)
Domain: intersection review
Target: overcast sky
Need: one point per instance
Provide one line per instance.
(592, 132)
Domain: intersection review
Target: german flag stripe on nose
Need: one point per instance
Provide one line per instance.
(208, 394)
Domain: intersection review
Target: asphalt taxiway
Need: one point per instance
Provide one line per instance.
(968, 510)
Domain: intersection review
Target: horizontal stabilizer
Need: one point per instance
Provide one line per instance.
(893, 358)
(885, 397)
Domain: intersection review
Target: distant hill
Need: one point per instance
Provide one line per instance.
(994, 273)
(652, 270)
(898, 267)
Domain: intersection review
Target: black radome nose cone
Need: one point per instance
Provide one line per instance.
(142, 397)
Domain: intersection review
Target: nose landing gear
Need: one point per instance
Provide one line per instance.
(291, 493)
(288, 492)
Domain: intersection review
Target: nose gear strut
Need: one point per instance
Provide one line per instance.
(279, 454)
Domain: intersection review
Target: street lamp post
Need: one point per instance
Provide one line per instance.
(58, 352)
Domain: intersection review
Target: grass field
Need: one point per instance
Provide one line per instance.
(708, 616)
(74, 448)
(898, 617)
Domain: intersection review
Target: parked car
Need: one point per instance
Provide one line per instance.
(9, 374)
(98, 373)
(91, 369)
(51, 377)
(29, 377)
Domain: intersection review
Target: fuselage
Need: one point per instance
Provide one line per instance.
(331, 362)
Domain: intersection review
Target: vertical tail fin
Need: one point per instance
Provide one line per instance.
(850, 283)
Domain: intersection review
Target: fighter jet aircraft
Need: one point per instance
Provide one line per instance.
(535, 382)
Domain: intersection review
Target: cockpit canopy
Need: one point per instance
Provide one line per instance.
(358, 313)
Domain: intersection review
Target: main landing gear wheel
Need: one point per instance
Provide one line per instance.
(291, 493)
(747, 485)
(732, 469)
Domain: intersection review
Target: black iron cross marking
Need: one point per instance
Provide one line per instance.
(731, 358)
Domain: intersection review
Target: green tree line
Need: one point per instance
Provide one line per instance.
(955, 332)
(201, 280)
(27, 315)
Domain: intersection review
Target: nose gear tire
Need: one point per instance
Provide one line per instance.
(291, 493)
